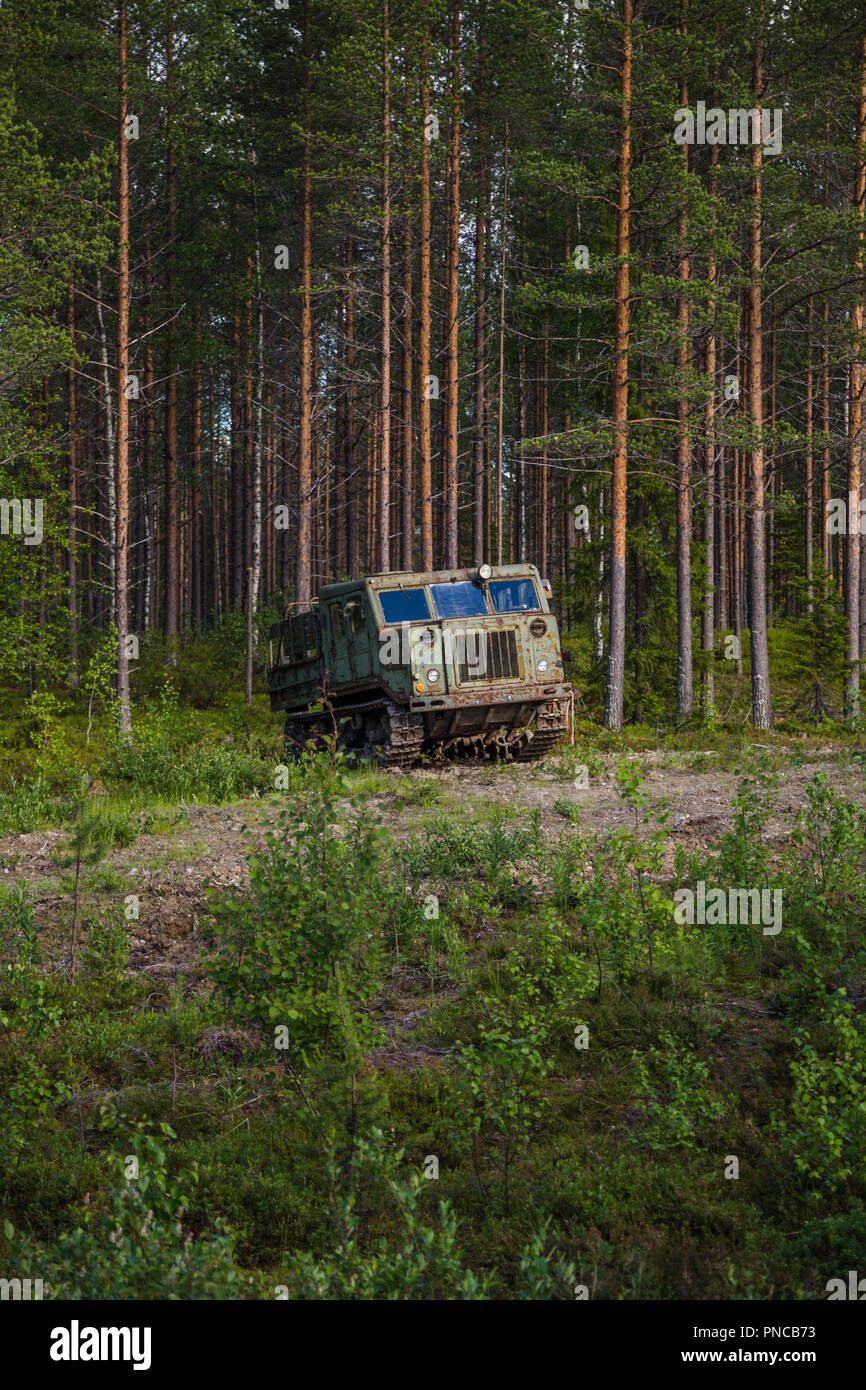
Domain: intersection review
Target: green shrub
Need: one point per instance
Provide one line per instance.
(491, 851)
(53, 763)
(545, 973)
(450, 847)
(673, 1096)
(743, 852)
(544, 1275)
(299, 950)
(496, 1100)
(626, 911)
(132, 1243)
(18, 938)
(823, 871)
(224, 773)
(825, 1133)
(831, 1246)
(26, 992)
(29, 1097)
(168, 759)
(105, 950)
(421, 1262)
(31, 805)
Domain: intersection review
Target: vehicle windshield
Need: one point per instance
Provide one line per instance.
(514, 596)
(404, 605)
(460, 600)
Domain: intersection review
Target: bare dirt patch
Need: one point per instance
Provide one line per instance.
(168, 871)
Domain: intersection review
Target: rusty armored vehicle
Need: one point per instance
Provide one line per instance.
(462, 663)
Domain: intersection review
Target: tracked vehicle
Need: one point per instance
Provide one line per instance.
(463, 663)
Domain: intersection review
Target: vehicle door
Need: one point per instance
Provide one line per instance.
(357, 621)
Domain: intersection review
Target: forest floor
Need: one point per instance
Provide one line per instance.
(556, 886)
(208, 848)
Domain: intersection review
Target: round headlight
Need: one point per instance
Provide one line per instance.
(433, 675)
(485, 571)
(542, 665)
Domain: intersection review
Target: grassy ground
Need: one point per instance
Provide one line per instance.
(428, 1035)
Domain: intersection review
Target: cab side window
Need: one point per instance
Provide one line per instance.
(353, 614)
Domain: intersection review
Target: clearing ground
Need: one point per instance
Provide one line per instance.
(168, 871)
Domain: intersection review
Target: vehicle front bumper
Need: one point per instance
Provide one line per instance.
(457, 712)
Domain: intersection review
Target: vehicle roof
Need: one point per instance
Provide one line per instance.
(413, 579)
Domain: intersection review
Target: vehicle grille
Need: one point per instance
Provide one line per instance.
(490, 656)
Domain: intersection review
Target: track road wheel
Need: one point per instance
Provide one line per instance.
(302, 735)
(393, 737)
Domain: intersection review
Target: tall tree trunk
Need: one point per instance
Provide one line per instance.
(325, 474)
(722, 574)
(452, 558)
(237, 468)
(353, 489)
(110, 451)
(685, 686)
(172, 542)
(340, 447)
(121, 568)
(303, 566)
(543, 476)
(407, 479)
(216, 526)
(501, 393)
(151, 563)
(708, 633)
(770, 466)
(761, 709)
(74, 467)
(598, 624)
(425, 481)
(196, 576)
(479, 422)
(521, 545)
(825, 412)
(249, 424)
(256, 566)
(385, 409)
(810, 477)
(613, 708)
(269, 498)
(855, 412)
(315, 464)
(737, 490)
(739, 551)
